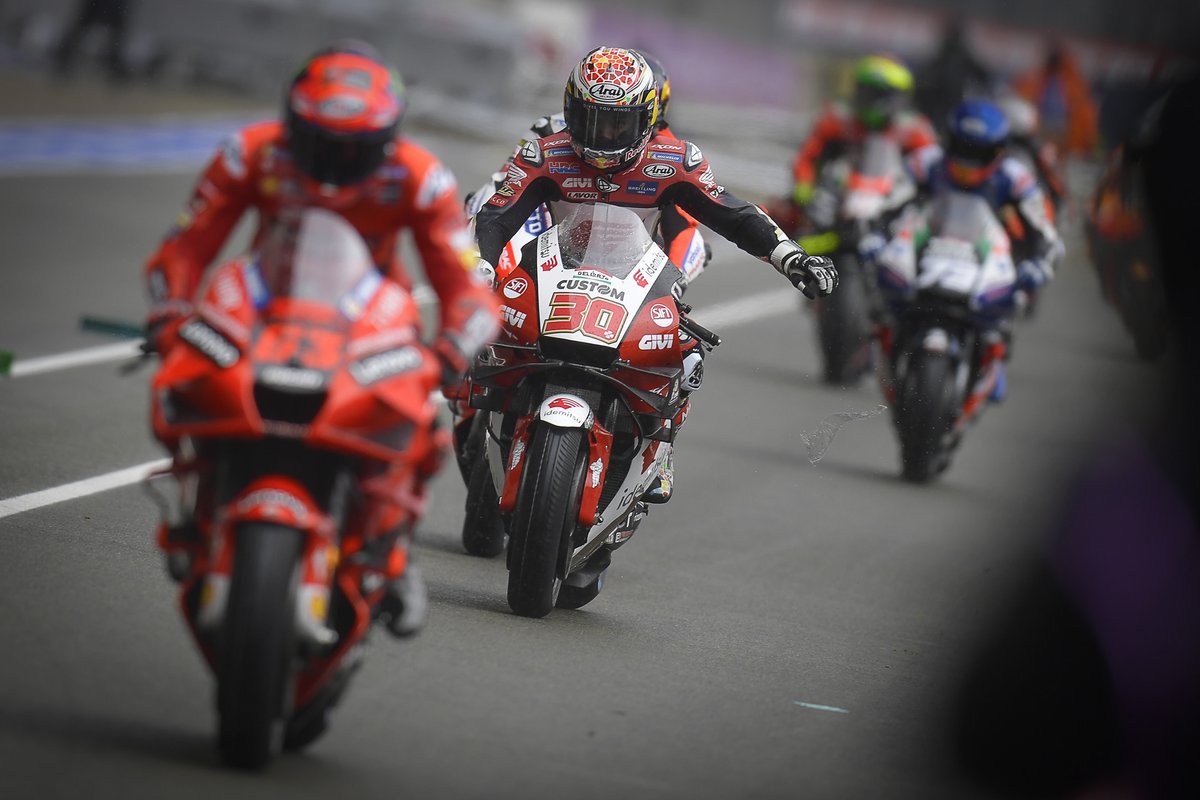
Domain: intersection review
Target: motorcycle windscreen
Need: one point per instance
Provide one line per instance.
(318, 257)
(964, 217)
(602, 237)
(963, 232)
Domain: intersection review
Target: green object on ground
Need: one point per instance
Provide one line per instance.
(113, 327)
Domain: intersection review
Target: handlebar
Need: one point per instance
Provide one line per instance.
(695, 329)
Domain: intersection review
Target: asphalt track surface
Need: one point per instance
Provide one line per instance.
(780, 629)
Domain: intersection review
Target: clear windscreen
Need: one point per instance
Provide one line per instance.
(961, 216)
(602, 237)
(316, 255)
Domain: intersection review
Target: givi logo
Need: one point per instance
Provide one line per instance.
(656, 341)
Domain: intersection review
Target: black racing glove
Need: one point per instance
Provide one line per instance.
(813, 275)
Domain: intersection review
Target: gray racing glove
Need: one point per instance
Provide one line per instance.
(815, 276)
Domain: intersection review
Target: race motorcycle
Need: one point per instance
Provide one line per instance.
(949, 281)
(578, 400)
(296, 405)
(858, 196)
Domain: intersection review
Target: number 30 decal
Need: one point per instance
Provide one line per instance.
(594, 317)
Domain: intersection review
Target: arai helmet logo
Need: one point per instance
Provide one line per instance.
(608, 91)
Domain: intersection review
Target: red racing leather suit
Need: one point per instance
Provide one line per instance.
(670, 172)
(837, 129)
(411, 190)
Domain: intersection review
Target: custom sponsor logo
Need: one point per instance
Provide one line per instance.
(583, 195)
(608, 91)
(342, 106)
(516, 287)
(577, 183)
(560, 151)
(605, 185)
(438, 181)
(273, 497)
(646, 188)
(594, 287)
(693, 158)
(676, 157)
(656, 341)
(516, 175)
(210, 343)
(661, 145)
(564, 169)
(512, 317)
(291, 377)
(549, 263)
(596, 467)
(661, 315)
(384, 365)
(658, 170)
(531, 152)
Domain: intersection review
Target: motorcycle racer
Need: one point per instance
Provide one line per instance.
(882, 94)
(975, 161)
(338, 147)
(607, 155)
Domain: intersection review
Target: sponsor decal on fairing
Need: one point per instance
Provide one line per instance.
(271, 499)
(515, 287)
(577, 183)
(583, 195)
(564, 169)
(285, 377)
(605, 185)
(212, 344)
(566, 411)
(229, 291)
(675, 157)
(560, 151)
(384, 365)
(656, 341)
(512, 317)
(592, 287)
(596, 468)
(662, 315)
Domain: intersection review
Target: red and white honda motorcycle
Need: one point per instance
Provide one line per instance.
(583, 395)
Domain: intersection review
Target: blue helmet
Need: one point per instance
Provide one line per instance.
(978, 134)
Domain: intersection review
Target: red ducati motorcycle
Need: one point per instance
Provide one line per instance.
(579, 402)
(296, 406)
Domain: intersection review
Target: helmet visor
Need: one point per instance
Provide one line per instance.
(974, 154)
(609, 128)
(336, 158)
(875, 105)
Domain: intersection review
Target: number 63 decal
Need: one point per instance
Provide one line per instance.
(594, 317)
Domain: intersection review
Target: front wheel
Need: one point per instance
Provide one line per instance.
(483, 531)
(928, 407)
(844, 327)
(258, 645)
(544, 519)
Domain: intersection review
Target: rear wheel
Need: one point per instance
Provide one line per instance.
(483, 531)
(843, 327)
(544, 519)
(928, 406)
(257, 648)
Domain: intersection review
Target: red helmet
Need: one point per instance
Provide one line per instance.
(343, 111)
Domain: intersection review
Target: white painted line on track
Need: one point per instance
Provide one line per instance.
(735, 312)
(83, 488)
(816, 707)
(76, 358)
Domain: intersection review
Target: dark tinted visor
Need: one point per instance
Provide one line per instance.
(606, 127)
(339, 159)
(976, 154)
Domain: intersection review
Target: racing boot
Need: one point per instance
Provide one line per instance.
(405, 606)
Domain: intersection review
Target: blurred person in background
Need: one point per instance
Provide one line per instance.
(881, 102)
(1088, 683)
(952, 75)
(112, 15)
(976, 160)
(1063, 101)
(338, 147)
(611, 107)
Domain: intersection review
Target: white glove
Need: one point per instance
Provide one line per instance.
(485, 273)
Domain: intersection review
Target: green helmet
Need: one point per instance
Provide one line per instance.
(882, 86)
